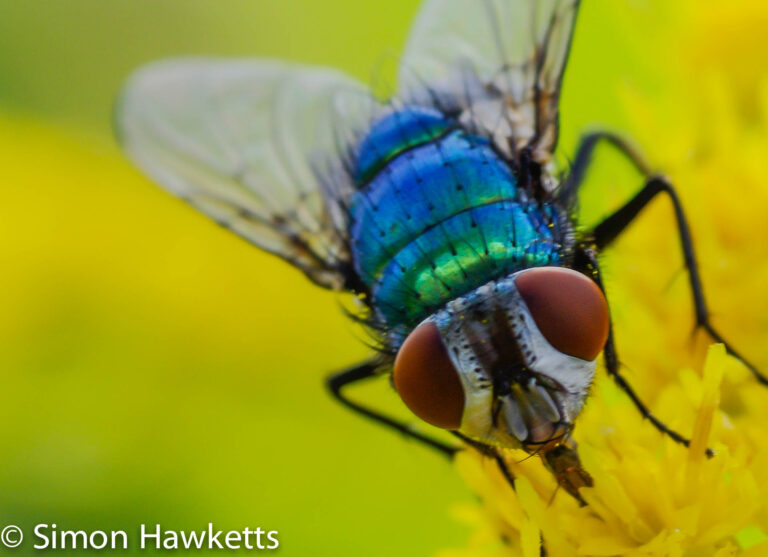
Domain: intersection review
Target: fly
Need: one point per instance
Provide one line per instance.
(441, 208)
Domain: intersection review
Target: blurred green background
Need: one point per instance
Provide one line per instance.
(155, 368)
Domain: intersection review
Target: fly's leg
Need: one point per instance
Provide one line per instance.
(608, 230)
(605, 232)
(505, 471)
(337, 382)
(367, 370)
(490, 452)
(584, 157)
(586, 262)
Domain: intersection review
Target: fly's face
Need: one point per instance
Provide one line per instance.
(509, 364)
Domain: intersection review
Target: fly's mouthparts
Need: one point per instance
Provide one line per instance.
(513, 418)
(530, 413)
(546, 406)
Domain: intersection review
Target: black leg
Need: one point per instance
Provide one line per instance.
(490, 452)
(583, 158)
(508, 475)
(367, 370)
(607, 231)
(586, 262)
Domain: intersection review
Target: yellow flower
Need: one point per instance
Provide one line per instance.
(652, 497)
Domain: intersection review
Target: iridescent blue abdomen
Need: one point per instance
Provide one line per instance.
(437, 214)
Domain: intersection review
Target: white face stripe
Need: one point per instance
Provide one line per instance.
(458, 323)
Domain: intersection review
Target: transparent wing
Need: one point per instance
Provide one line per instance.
(499, 61)
(249, 143)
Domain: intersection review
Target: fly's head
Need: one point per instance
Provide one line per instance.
(509, 364)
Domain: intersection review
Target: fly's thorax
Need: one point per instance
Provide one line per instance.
(521, 350)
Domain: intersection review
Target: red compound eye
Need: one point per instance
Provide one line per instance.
(426, 379)
(569, 309)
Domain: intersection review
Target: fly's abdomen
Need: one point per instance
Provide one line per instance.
(439, 213)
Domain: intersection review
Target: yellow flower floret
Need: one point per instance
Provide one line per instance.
(651, 496)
